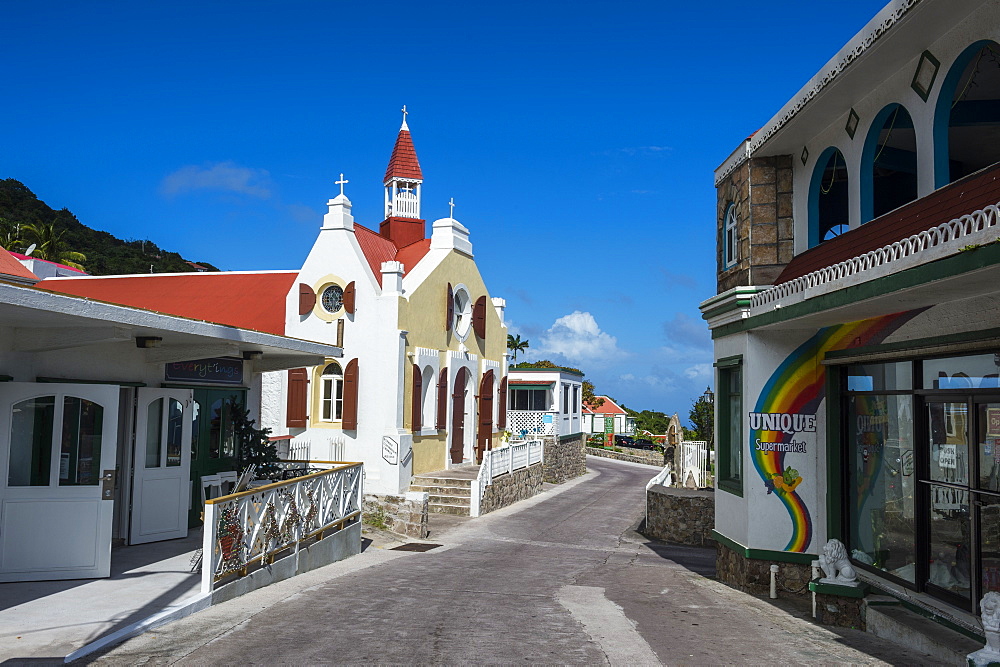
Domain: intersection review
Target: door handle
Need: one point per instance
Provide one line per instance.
(108, 485)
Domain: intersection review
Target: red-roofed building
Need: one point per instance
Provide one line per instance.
(595, 417)
(856, 324)
(13, 270)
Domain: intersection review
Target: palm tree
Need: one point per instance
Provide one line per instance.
(515, 344)
(9, 235)
(50, 246)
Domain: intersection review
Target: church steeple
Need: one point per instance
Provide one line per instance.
(402, 182)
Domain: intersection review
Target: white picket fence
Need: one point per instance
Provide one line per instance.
(502, 461)
(249, 529)
(694, 463)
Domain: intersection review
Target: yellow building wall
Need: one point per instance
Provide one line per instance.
(423, 314)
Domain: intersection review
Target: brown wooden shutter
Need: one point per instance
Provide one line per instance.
(349, 298)
(442, 415)
(449, 311)
(502, 405)
(298, 398)
(479, 317)
(307, 299)
(415, 400)
(350, 421)
(484, 439)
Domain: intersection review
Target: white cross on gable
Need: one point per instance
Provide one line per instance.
(341, 183)
(451, 203)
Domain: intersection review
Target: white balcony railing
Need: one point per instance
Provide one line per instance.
(502, 461)
(529, 423)
(246, 530)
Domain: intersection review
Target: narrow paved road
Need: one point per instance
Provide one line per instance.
(561, 578)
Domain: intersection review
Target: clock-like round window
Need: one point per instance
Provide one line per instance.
(332, 298)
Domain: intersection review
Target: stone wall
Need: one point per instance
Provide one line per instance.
(565, 459)
(633, 455)
(510, 488)
(754, 576)
(406, 515)
(840, 611)
(680, 516)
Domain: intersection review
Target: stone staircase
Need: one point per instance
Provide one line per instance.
(945, 642)
(449, 491)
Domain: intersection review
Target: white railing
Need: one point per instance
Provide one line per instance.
(502, 461)
(529, 423)
(947, 238)
(249, 529)
(300, 449)
(406, 204)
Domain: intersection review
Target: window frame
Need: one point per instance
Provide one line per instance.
(726, 481)
(730, 237)
(328, 394)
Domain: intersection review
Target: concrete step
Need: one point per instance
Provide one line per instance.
(441, 481)
(458, 501)
(459, 510)
(894, 622)
(442, 490)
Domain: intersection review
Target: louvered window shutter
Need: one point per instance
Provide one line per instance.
(479, 317)
(442, 415)
(502, 405)
(415, 400)
(449, 311)
(298, 398)
(349, 298)
(307, 299)
(350, 421)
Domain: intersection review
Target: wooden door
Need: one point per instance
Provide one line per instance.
(457, 431)
(485, 432)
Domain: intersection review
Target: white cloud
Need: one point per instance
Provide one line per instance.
(577, 337)
(220, 176)
(699, 371)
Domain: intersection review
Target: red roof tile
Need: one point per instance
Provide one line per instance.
(403, 163)
(378, 249)
(9, 266)
(411, 255)
(609, 407)
(964, 196)
(246, 300)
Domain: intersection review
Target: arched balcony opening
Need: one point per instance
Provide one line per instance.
(888, 163)
(829, 209)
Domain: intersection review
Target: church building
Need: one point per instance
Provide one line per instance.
(857, 318)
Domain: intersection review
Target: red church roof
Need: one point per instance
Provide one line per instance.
(378, 249)
(403, 163)
(9, 266)
(246, 300)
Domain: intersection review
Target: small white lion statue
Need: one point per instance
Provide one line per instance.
(836, 566)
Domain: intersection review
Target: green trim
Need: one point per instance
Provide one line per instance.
(834, 476)
(730, 486)
(729, 294)
(762, 554)
(917, 343)
(571, 371)
(171, 385)
(962, 262)
(816, 586)
(725, 362)
(726, 307)
(542, 385)
(48, 380)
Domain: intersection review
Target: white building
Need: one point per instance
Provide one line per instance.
(545, 402)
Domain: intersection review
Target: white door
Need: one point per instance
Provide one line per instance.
(161, 464)
(57, 452)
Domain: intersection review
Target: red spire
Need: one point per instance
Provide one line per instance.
(403, 164)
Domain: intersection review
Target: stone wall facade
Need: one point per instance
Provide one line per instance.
(680, 516)
(406, 515)
(761, 191)
(511, 488)
(840, 611)
(565, 458)
(634, 455)
(754, 576)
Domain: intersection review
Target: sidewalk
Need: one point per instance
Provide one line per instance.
(51, 619)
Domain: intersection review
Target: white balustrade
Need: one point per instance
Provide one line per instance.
(247, 529)
(504, 460)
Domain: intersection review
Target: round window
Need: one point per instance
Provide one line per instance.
(463, 313)
(332, 298)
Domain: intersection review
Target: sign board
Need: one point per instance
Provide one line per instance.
(948, 456)
(609, 424)
(992, 422)
(209, 371)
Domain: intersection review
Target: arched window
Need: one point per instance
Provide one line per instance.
(428, 398)
(967, 114)
(332, 393)
(730, 239)
(828, 198)
(888, 163)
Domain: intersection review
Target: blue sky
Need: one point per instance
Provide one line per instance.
(577, 138)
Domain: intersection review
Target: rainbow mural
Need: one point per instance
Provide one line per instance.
(796, 387)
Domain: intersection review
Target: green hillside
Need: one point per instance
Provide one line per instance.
(106, 254)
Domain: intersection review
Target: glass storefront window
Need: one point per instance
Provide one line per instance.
(988, 445)
(950, 531)
(949, 443)
(989, 529)
(880, 437)
(977, 371)
(880, 377)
